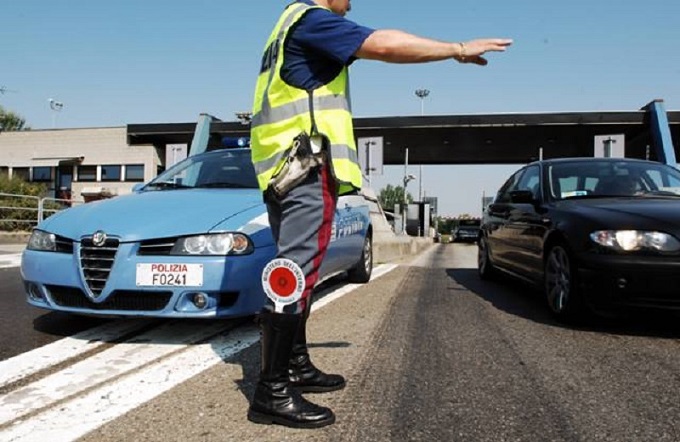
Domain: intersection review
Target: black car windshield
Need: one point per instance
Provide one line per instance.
(228, 168)
(472, 223)
(611, 178)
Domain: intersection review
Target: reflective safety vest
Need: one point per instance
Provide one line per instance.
(281, 112)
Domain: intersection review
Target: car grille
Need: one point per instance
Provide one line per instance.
(156, 247)
(127, 300)
(96, 263)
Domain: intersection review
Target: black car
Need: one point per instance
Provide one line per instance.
(596, 233)
(467, 230)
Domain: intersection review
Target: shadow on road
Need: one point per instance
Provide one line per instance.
(526, 301)
(65, 324)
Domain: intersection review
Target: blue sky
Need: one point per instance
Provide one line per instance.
(119, 62)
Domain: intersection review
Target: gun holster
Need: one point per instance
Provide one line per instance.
(299, 161)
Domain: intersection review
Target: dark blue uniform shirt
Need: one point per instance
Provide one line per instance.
(319, 46)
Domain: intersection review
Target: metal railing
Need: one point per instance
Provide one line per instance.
(23, 212)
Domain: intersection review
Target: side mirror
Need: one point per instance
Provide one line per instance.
(137, 187)
(522, 197)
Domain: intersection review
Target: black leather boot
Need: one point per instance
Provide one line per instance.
(304, 376)
(275, 402)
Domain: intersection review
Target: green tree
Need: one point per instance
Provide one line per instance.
(10, 121)
(391, 195)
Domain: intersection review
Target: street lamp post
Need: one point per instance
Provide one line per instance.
(56, 106)
(422, 94)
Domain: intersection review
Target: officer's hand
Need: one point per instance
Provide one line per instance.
(472, 51)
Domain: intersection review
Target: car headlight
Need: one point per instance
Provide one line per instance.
(41, 240)
(632, 240)
(217, 244)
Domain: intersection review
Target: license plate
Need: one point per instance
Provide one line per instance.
(170, 275)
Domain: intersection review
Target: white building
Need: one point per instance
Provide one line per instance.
(81, 164)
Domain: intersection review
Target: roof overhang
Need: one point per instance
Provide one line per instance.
(462, 139)
(55, 161)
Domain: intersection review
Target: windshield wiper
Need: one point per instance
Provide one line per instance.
(226, 185)
(167, 185)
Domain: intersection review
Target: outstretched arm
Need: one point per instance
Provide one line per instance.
(395, 46)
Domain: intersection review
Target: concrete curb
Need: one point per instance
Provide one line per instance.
(389, 249)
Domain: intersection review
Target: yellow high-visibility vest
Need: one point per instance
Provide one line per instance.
(281, 112)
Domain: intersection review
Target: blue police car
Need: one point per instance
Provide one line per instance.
(192, 243)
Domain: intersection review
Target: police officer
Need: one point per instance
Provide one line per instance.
(302, 100)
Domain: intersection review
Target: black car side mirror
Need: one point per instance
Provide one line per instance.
(522, 197)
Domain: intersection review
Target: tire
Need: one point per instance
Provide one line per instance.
(560, 286)
(485, 268)
(361, 272)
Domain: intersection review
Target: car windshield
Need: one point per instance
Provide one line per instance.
(229, 168)
(469, 223)
(612, 178)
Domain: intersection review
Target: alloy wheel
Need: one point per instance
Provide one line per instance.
(368, 254)
(558, 280)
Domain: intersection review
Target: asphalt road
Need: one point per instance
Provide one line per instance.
(23, 327)
(431, 353)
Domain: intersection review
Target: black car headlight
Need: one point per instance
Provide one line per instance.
(633, 240)
(43, 241)
(216, 244)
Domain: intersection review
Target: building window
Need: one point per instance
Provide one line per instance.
(42, 174)
(4, 171)
(87, 173)
(21, 172)
(111, 173)
(134, 172)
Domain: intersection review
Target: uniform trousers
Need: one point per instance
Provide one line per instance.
(301, 222)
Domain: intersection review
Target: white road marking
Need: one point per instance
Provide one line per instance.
(115, 381)
(34, 361)
(77, 417)
(10, 260)
(103, 367)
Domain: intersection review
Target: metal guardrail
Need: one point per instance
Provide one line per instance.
(26, 211)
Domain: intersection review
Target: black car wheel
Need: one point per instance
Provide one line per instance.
(361, 273)
(561, 288)
(484, 266)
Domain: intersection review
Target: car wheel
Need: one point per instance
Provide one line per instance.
(484, 266)
(561, 289)
(361, 273)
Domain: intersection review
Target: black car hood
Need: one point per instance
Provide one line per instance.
(642, 213)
